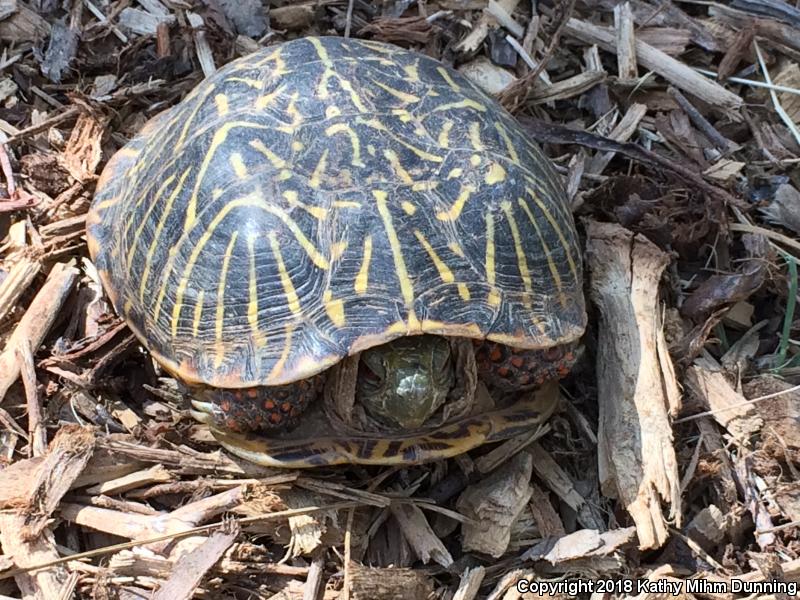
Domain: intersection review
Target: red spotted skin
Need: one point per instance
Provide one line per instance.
(261, 408)
(266, 408)
(509, 369)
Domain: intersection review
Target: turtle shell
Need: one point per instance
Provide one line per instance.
(326, 195)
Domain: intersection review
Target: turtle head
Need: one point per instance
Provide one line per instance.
(403, 382)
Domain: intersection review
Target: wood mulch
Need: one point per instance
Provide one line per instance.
(676, 450)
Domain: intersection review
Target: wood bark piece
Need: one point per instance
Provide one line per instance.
(475, 37)
(559, 481)
(39, 584)
(419, 534)
(36, 431)
(584, 545)
(626, 42)
(547, 520)
(622, 132)
(16, 283)
(637, 461)
(677, 73)
(728, 407)
(307, 530)
(568, 88)
(494, 504)
(82, 153)
(190, 568)
(34, 325)
(471, 580)
(389, 584)
(153, 475)
(38, 486)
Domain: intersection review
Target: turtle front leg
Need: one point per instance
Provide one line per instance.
(261, 408)
(510, 369)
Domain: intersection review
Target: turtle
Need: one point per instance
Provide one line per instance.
(328, 198)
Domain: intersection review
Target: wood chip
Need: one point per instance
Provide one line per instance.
(389, 584)
(420, 536)
(669, 68)
(728, 407)
(494, 504)
(36, 322)
(637, 461)
(190, 568)
(626, 42)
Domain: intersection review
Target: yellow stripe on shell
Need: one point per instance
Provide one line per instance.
(334, 308)
(319, 170)
(550, 262)
(198, 312)
(294, 113)
(444, 271)
(355, 141)
(474, 130)
(512, 153)
(208, 233)
(354, 97)
(465, 103)
(494, 296)
(406, 287)
(412, 72)
(522, 261)
(266, 100)
(345, 204)
(375, 124)
(188, 124)
(337, 249)
(239, 168)
(162, 221)
(444, 134)
(221, 101)
(275, 160)
(144, 222)
(455, 210)
(256, 84)
(399, 94)
(316, 256)
(496, 174)
(399, 171)
(219, 317)
(408, 207)
(362, 279)
(292, 301)
(315, 211)
(216, 141)
(287, 347)
(446, 76)
(424, 186)
(557, 228)
(322, 52)
(252, 304)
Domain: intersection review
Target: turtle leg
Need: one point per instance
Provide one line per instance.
(509, 369)
(261, 408)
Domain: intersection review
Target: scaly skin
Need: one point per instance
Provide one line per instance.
(401, 383)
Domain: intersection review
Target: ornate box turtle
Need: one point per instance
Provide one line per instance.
(325, 199)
